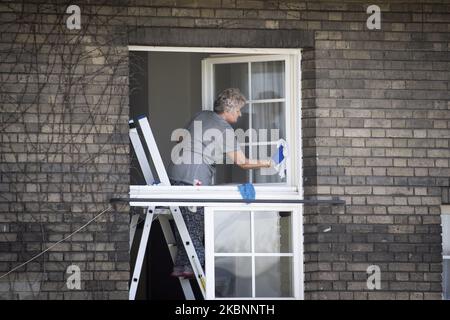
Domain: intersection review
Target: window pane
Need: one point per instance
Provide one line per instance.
(268, 119)
(268, 80)
(233, 276)
(232, 232)
(272, 232)
(273, 277)
(230, 174)
(231, 75)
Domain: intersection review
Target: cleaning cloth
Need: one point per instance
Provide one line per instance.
(279, 158)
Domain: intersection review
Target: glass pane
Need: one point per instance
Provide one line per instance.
(446, 278)
(268, 119)
(232, 232)
(273, 277)
(445, 234)
(230, 173)
(231, 75)
(244, 120)
(233, 276)
(268, 80)
(267, 175)
(273, 232)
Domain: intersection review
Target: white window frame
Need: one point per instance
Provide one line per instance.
(297, 252)
(292, 191)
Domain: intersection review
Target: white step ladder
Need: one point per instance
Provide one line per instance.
(161, 214)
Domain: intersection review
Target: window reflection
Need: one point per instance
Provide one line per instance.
(273, 277)
(232, 231)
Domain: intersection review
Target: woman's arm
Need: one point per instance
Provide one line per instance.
(243, 162)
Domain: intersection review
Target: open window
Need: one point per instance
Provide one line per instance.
(253, 253)
(264, 259)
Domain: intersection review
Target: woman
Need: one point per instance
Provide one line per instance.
(199, 169)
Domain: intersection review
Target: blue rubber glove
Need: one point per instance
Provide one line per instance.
(247, 191)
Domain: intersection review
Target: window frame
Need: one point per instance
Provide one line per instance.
(297, 251)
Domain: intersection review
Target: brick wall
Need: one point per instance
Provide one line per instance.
(376, 133)
(381, 140)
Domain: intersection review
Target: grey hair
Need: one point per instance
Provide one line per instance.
(229, 100)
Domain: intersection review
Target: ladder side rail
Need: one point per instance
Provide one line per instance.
(154, 152)
(190, 250)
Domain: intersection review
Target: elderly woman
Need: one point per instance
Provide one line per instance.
(227, 110)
